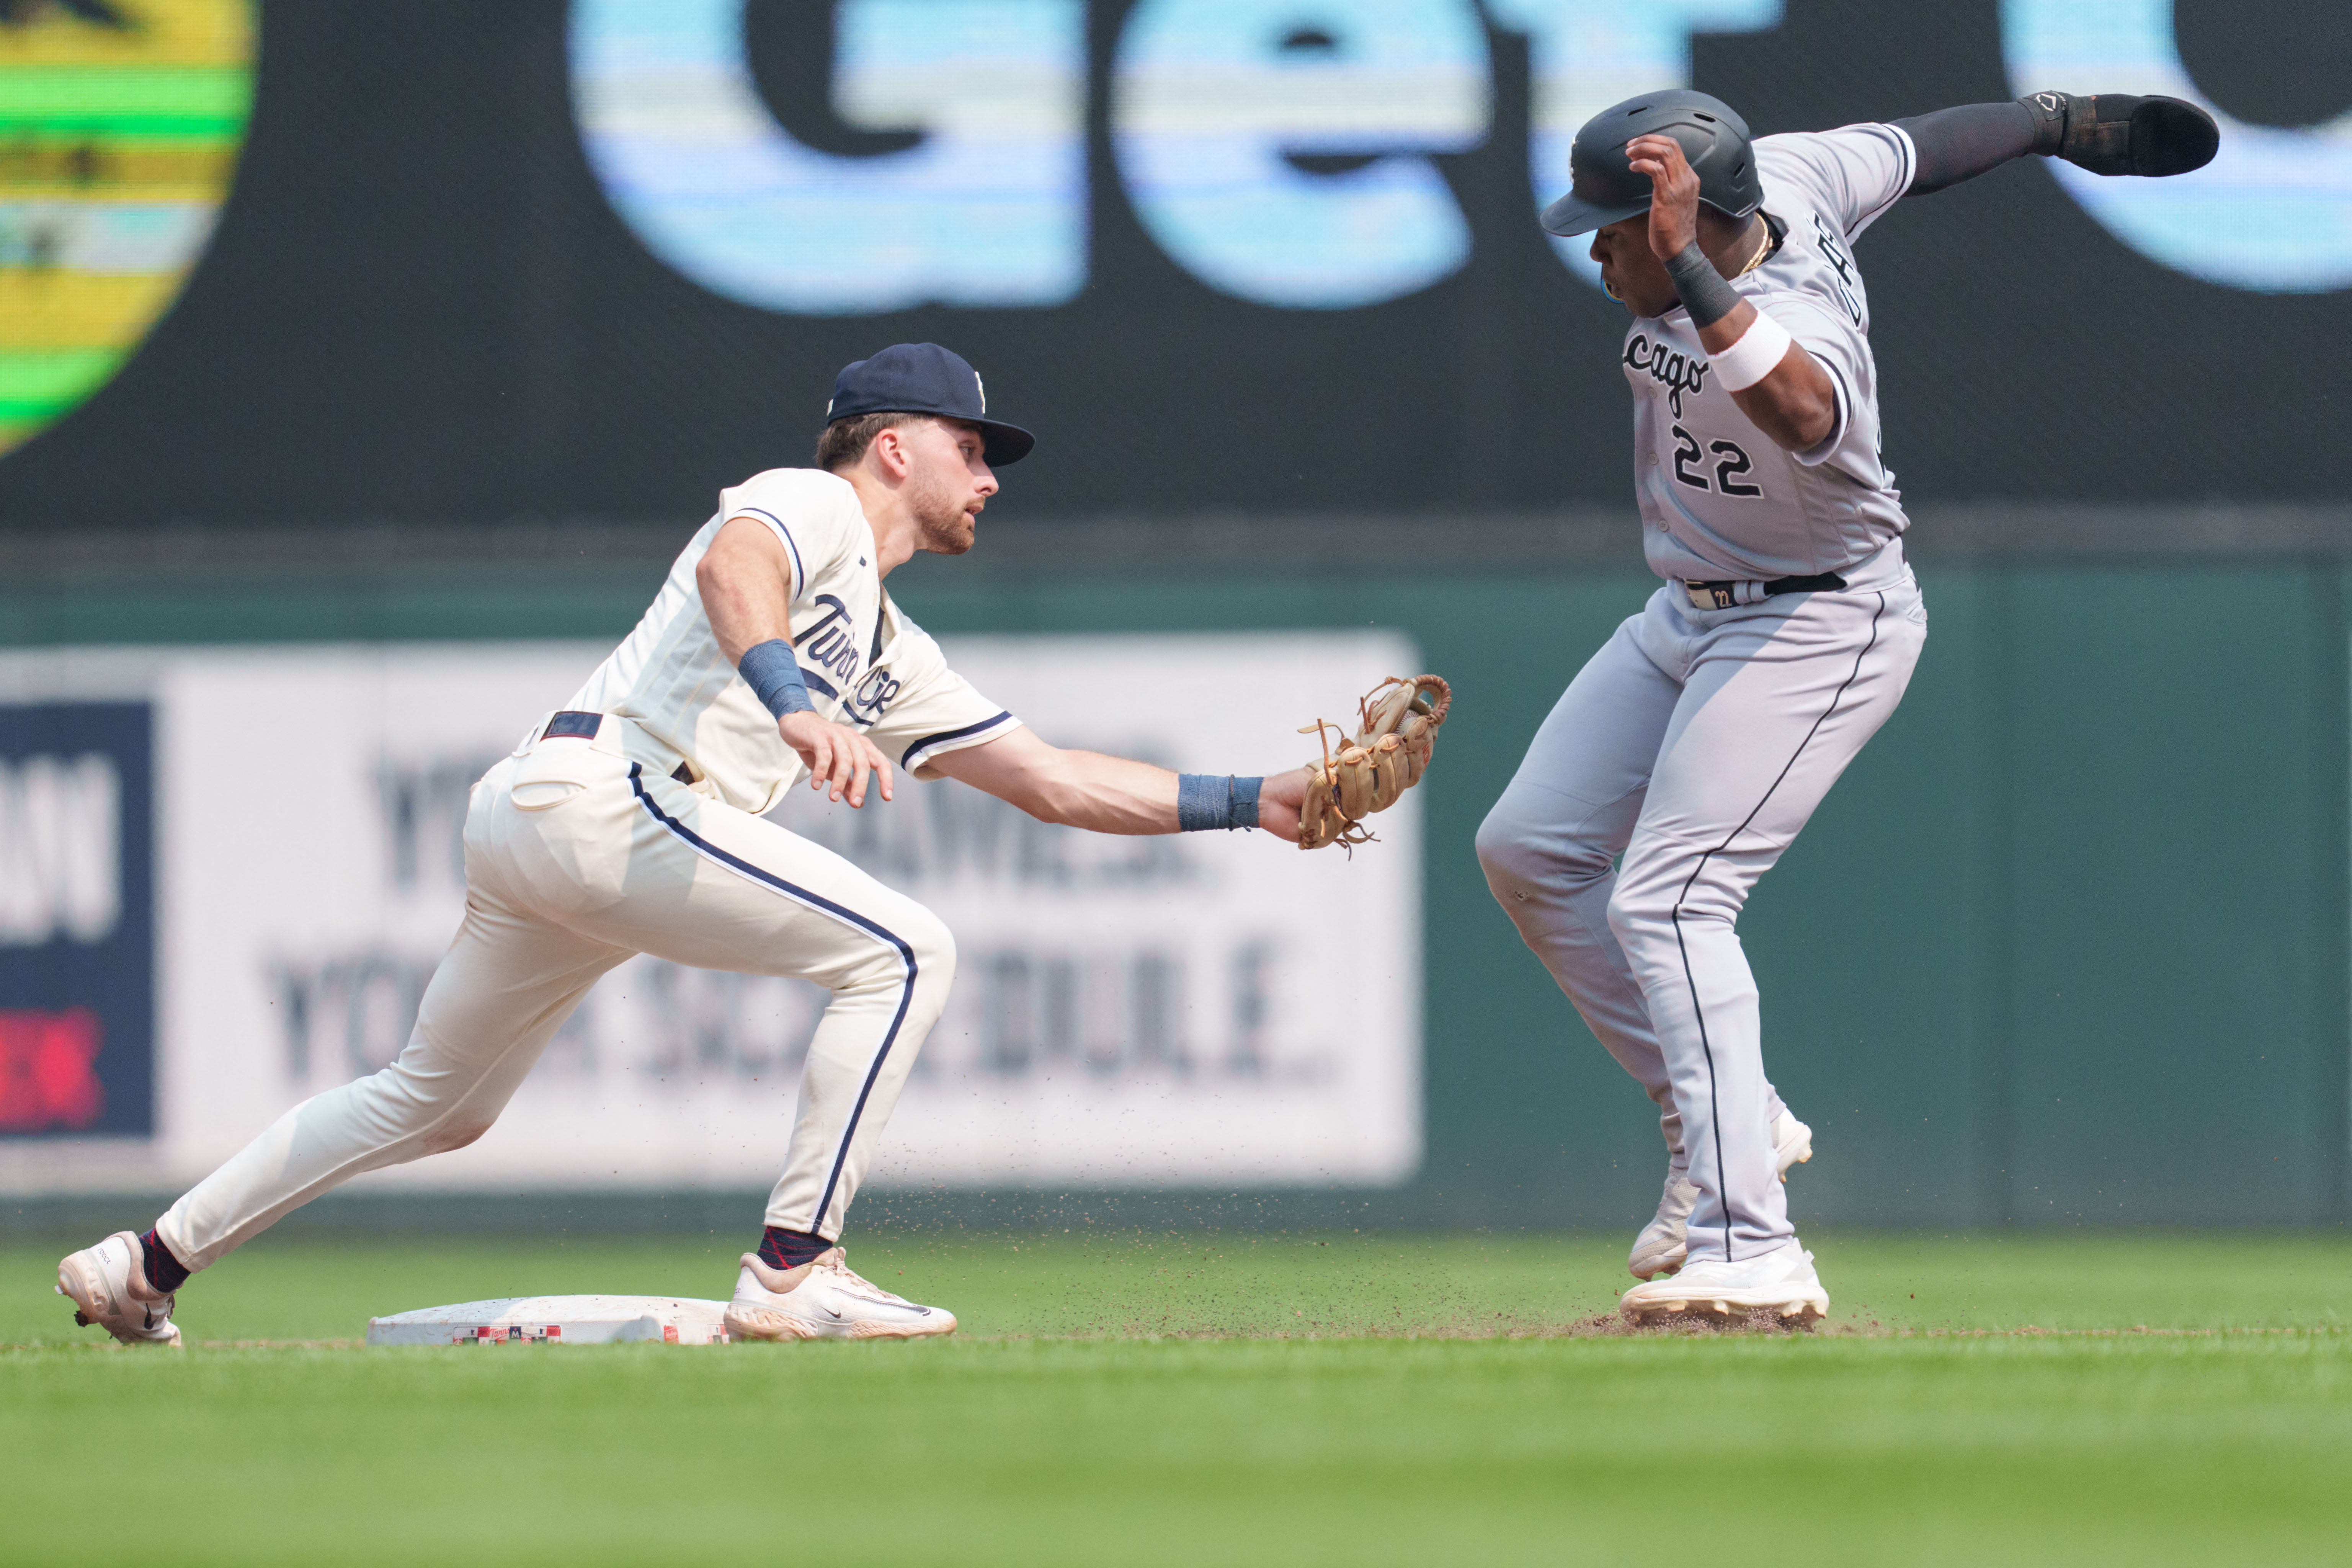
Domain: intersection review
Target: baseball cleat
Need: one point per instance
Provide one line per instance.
(1792, 1142)
(108, 1286)
(1781, 1282)
(824, 1299)
(1659, 1249)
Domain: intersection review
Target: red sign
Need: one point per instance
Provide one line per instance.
(47, 1072)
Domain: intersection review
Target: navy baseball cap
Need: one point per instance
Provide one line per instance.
(924, 378)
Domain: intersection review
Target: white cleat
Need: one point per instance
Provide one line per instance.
(1792, 1142)
(1659, 1249)
(1782, 1282)
(108, 1286)
(824, 1299)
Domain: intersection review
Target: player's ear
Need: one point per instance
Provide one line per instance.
(891, 452)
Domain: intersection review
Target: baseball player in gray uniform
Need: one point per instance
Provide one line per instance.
(631, 821)
(1698, 741)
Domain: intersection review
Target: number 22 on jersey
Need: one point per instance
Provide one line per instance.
(1730, 463)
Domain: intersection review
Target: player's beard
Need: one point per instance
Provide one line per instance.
(945, 528)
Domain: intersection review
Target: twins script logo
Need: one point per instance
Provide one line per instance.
(1670, 368)
(831, 647)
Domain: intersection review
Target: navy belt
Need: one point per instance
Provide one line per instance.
(573, 726)
(1723, 596)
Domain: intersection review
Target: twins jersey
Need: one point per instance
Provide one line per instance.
(1719, 498)
(867, 665)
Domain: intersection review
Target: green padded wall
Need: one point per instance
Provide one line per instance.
(2068, 944)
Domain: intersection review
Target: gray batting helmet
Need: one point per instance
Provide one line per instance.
(1604, 187)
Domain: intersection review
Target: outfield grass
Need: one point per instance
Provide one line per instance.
(1151, 1399)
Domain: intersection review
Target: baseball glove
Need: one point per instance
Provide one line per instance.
(1371, 770)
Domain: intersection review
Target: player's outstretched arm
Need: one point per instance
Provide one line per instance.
(746, 582)
(2107, 133)
(1115, 795)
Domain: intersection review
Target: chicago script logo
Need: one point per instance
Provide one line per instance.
(1670, 368)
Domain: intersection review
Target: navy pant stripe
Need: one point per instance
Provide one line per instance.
(906, 955)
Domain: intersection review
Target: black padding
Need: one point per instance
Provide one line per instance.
(2118, 133)
(2170, 137)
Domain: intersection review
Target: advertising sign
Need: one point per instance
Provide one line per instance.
(1163, 1011)
(76, 919)
(119, 126)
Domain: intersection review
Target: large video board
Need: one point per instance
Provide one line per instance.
(599, 258)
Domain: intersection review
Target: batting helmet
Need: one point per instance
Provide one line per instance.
(1604, 187)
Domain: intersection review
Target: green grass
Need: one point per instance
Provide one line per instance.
(1176, 1399)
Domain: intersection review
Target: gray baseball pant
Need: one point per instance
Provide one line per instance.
(1697, 743)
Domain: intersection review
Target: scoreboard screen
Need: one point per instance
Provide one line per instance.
(598, 258)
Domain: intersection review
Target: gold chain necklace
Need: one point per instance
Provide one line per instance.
(1763, 249)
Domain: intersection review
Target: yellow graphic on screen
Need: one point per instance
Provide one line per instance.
(119, 124)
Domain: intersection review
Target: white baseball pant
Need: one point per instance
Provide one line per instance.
(580, 853)
(1697, 743)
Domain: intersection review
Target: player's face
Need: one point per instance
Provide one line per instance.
(1631, 269)
(950, 484)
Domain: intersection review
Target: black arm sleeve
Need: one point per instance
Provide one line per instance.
(1958, 144)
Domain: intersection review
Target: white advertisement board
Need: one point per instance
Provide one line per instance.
(1208, 1009)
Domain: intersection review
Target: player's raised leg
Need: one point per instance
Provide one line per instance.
(1778, 698)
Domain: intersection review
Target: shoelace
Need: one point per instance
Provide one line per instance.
(857, 1284)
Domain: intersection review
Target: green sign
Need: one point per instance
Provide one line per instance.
(120, 126)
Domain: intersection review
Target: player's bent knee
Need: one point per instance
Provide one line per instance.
(1518, 848)
(912, 934)
(454, 1134)
(1502, 848)
(1636, 912)
(935, 948)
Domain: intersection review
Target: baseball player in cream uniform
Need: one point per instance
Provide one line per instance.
(630, 821)
(1697, 743)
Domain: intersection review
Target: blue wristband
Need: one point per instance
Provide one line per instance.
(772, 672)
(1207, 800)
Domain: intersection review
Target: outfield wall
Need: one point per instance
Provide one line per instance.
(2069, 943)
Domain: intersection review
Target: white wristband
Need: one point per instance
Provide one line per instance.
(1750, 360)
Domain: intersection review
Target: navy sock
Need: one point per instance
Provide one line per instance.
(164, 1272)
(782, 1248)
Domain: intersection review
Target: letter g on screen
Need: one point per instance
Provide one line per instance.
(989, 208)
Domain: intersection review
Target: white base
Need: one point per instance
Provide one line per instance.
(557, 1320)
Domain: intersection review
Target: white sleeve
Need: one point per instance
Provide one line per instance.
(935, 710)
(815, 514)
(1856, 173)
